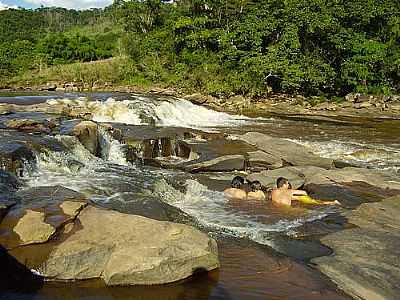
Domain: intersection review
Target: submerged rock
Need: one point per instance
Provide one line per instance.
(18, 149)
(39, 213)
(5, 205)
(366, 261)
(32, 228)
(130, 250)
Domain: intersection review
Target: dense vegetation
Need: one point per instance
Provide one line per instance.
(220, 47)
(35, 39)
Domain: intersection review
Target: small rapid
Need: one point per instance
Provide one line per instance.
(166, 112)
(366, 155)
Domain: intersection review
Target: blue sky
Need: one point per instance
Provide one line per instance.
(77, 4)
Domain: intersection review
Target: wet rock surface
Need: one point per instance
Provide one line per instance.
(366, 260)
(88, 135)
(38, 214)
(32, 229)
(289, 152)
(268, 178)
(29, 125)
(153, 208)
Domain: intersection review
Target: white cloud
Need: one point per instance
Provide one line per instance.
(76, 4)
(4, 6)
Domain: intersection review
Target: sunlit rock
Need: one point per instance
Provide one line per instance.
(130, 250)
(32, 228)
(87, 133)
(366, 261)
(289, 152)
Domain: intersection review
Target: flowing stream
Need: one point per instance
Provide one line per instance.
(249, 235)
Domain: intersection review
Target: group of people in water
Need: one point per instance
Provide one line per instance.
(283, 194)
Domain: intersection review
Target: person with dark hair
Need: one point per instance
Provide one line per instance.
(256, 193)
(235, 191)
(284, 195)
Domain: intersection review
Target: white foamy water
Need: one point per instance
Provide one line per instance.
(160, 112)
(367, 155)
(212, 210)
(112, 150)
(183, 113)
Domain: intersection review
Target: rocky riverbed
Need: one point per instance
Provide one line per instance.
(128, 191)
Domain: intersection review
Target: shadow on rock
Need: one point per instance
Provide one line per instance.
(15, 276)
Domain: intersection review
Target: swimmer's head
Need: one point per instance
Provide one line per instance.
(282, 181)
(255, 186)
(237, 182)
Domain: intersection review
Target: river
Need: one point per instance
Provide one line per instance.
(260, 254)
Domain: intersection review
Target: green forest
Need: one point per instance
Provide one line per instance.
(220, 47)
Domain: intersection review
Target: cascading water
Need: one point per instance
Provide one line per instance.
(154, 111)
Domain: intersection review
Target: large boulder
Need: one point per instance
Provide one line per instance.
(150, 207)
(87, 133)
(288, 152)
(130, 250)
(366, 261)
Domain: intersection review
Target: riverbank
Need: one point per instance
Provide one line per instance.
(353, 105)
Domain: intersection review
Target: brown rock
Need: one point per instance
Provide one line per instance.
(268, 178)
(72, 208)
(260, 160)
(87, 134)
(288, 152)
(130, 250)
(366, 262)
(32, 229)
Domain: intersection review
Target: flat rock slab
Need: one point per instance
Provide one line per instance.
(289, 152)
(130, 250)
(268, 178)
(72, 208)
(222, 163)
(32, 229)
(260, 160)
(366, 260)
(351, 186)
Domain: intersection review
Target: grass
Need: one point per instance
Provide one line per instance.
(111, 71)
